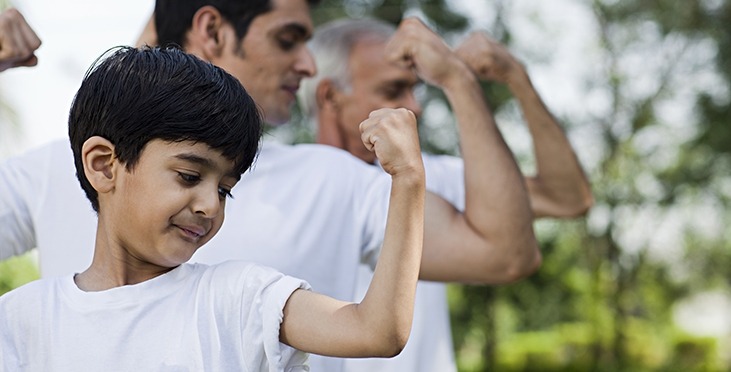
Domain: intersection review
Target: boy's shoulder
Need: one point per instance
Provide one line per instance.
(241, 275)
(36, 287)
(30, 297)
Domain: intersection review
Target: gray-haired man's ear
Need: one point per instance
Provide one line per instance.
(328, 115)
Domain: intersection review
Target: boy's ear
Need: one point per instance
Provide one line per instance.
(97, 155)
(328, 114)
(208, 33)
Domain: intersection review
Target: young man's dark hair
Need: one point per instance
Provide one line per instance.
(149, 97)
(174, 17)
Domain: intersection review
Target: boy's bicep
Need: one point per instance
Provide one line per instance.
(320, 324)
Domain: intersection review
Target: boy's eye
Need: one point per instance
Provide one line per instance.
(189, 178)
(224, 193)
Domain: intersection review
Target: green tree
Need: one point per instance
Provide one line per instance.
(654, 114)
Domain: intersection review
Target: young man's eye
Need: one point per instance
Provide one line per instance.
(189, 178)
(225, 193)
(287, 43)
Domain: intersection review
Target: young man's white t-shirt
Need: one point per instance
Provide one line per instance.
(430, 347)
(309, 211)
(196, 318)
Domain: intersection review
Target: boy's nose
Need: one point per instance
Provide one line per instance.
(208, 204)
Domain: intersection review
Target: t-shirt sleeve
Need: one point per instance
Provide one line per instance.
(445, 177)
(266, 291)
(23, 183)
(372, 203)
(276, 295)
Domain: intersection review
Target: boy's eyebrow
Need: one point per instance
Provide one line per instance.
(205, 162)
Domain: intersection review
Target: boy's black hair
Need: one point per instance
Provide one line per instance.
(138, 95)
(173, 18)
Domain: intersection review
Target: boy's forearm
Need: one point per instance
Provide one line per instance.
(388, 304)
(379, 326)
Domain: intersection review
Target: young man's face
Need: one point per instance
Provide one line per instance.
(274, 58)
(171, 203)
(375, 84)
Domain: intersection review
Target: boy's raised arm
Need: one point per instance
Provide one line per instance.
(380, 324)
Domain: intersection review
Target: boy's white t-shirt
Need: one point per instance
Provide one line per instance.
(310, 211)
(194, 318)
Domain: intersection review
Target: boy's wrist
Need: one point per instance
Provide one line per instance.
(410, 177)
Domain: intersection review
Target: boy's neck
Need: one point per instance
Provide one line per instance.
(109, 271)
(95, 280)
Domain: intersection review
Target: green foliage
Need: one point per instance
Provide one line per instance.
(596, 304)
(17, 271)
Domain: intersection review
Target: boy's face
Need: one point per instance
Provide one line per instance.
(374, 83)
(171, 203)
(274, 58)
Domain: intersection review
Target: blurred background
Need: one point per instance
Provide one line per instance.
(643, 90)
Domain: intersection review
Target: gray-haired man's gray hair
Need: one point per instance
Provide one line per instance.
(331, 45)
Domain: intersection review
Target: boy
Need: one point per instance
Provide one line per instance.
(159, 139)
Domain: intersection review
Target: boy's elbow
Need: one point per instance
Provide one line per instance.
(395, 345)
(392, 342)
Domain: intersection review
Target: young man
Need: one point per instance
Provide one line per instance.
(158, 170)
(315, 212)
(341, 94)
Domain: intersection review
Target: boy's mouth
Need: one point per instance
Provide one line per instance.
(192, 232)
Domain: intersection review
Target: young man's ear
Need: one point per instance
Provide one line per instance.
(328, 114)
(97, 155)
(209, 33)
(148, 37)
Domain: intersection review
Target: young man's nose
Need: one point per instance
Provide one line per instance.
(305, 64)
